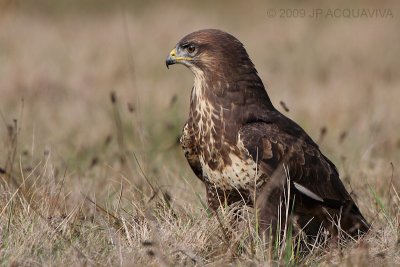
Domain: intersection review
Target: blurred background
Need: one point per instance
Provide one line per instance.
(90, 117)
(61, 60)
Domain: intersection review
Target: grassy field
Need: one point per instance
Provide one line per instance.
(91, 173)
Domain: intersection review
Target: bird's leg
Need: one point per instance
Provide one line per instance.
(214, 197)
(218, 197)
(270, 213)
(273, 203)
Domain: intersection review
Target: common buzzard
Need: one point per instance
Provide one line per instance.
(243, 149)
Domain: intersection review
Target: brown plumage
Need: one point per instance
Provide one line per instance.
(243, 149)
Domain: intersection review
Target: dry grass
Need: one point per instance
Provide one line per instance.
(93, 182)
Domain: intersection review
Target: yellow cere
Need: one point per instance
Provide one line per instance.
(173, 55)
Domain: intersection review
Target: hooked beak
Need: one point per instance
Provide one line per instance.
(173, 58)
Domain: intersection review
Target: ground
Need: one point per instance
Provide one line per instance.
(90, 118)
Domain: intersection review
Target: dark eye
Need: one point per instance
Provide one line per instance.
(191, 49)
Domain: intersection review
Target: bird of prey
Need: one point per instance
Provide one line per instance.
(244, 149)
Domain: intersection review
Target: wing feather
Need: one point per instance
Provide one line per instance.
(312, 174)
(307, 166)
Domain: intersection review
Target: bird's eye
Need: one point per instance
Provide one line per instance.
(191, 49)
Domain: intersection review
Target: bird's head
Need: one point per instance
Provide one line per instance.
(221, 67)
(210, 50)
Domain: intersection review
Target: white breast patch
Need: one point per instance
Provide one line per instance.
(240, 174)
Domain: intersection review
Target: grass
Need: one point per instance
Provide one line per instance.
(91, 173)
